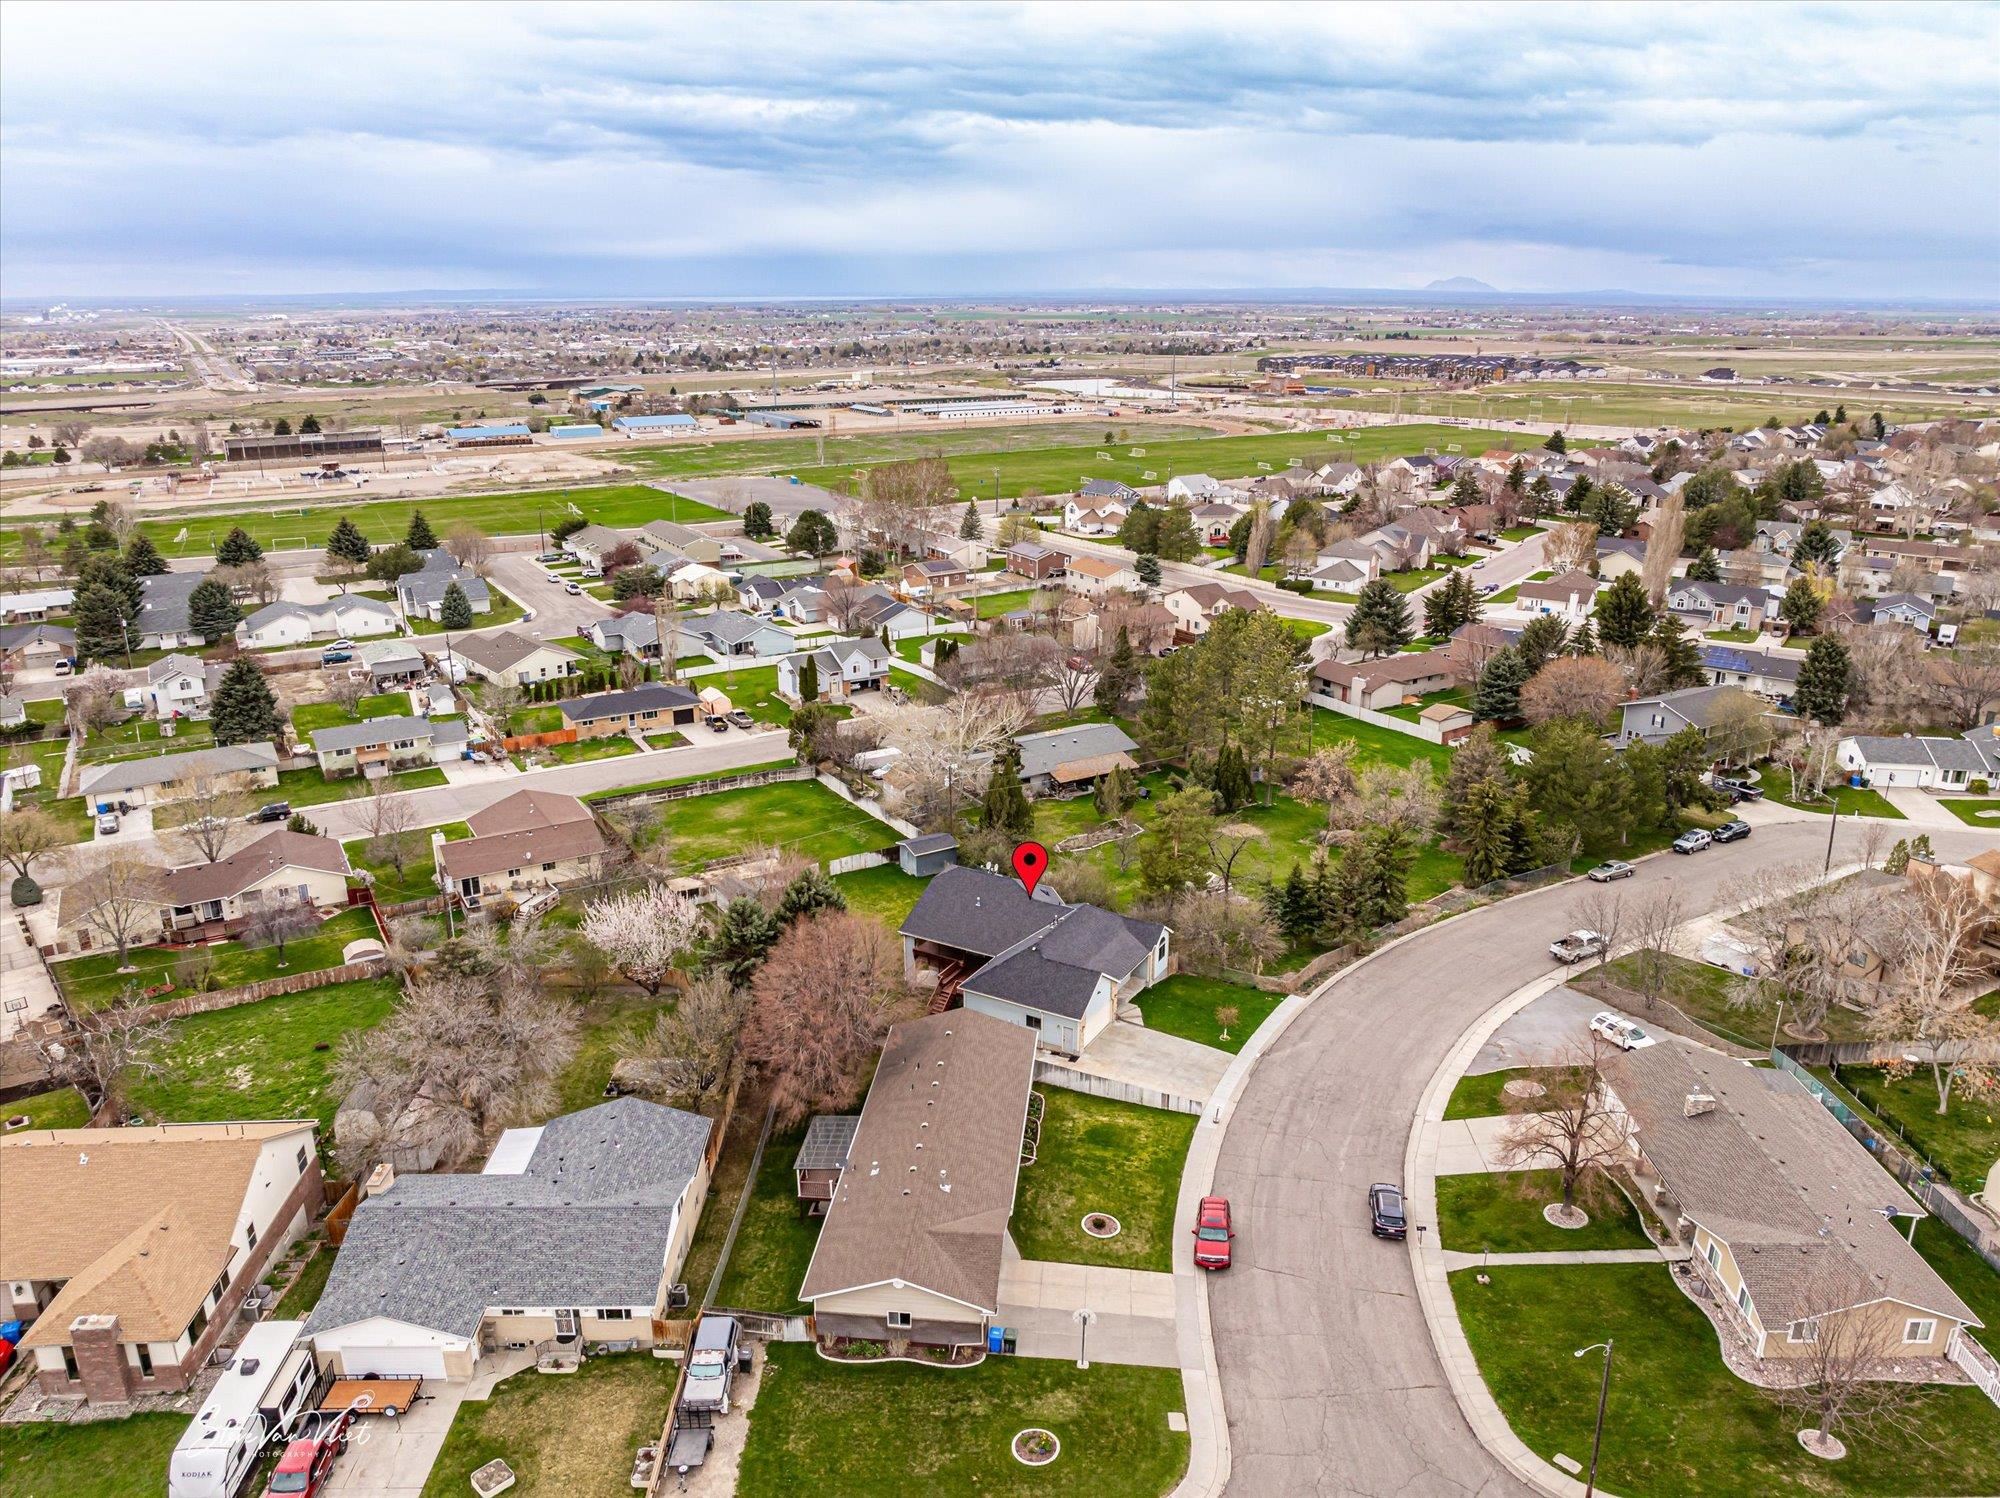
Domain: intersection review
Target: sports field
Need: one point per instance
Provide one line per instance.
(1647, 405)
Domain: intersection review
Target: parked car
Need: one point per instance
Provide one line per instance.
(107, 823)
(710, 1362)
(332, 657)
(339, 644)
(1578, 946)
(742, 719)
(1610, 869)
(1730, 832)
(551, 556)
(307, 1463)
(572, 589)
(277, 811)
(65, 665)
(1212, 1233)
(718, 724)
(1692, 841)
(1385, 1211)
(1620, 1031)
(1739, 790)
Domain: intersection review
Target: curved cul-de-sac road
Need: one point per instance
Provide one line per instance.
(1328, 1371)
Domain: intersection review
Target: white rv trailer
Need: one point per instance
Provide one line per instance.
(270, 1382)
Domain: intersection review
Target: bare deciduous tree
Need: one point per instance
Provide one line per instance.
(1930, 943)
(387, 818)
(120, 901)
(1404, 796)
(1571, 1129)
(1663, 546)
(119, 1045)
(469, 546)
(1573, 686)
(1328, 778)
(1849, 1341)
(947, 749)
(1653, 917)
(278, 925)
(212, 815)
(686, 1058)
(1570, 546)
(1964, 682)
(1214, 931)
(29, 835)
(643, 931)
(96, 701)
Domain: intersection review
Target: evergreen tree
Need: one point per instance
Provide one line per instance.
(1517, 478)
(1557, 443)
(420, 536)
(1114, 794)
(1876, 425)
(1005, 807)
(1578, 494)
(1541, 496)
(1611, 508)
(1450, 605)
(282, 427)
(1817, 545)
(1801, 606)
(244, 710)
(1176, 539)
(1584, 641)
(1478, 757)
(1497, 839)
(1380, 623)
(1840, 416)
(1140, 531)
(238, 548)
(1541, 639)
(744, 934)
(1239, 536)
(310, 424)
(1680, 653)
(142, 557)
(757, 520)
(1148, 567)
(809, 679)
(1465, 489)
(1117, 676)
(346, 545)
(1498, 696)
(969, 526)
(455, 609)
(1624, 613)
(1379, 882)
(813, 534)
(1291, 906)
(1824, 681)
(1705, 568)
(109, 569)
(1232, 777)
(212, 610)
(809, 894)
(99, 634)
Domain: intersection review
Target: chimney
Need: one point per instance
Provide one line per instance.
(380, 1179)
(1697, 1104)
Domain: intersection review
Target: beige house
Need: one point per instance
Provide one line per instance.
(530, 841)
(129, 1250)
(653, 707)
(168, 777)
(279, 868)
(1087, 574)
(917, 1226)
(513, 660)
(572, 1236)
(1386, 681)
(1195, 608)
(1785, 1210)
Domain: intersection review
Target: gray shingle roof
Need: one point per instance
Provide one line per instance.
(372, 731)
(1041, 753)
(1945, 754)
(163, 604)
(657, 697)
(160, 769)
(586, 1223)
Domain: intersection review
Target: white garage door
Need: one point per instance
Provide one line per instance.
(393, 1362)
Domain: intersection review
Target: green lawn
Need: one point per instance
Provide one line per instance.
(597, 797)
(610, 747)
(307, 716)
(310, 788)
(1847, 800)
(573, 1435)
(259, 1060)
(543, 717)
(897, 1429)
(94, 981)
(1377, 745)
(1732, 636)
(1679, 1424)
(502, 609)
(1097, 1155)
(1976, 1281)
(667, 740)
(1307, 629)
(1501, 1212)
(417, 881)
(775, 1244)
(1708, 996)
(993, 605)
(1520, 532)
(1185, 1005)
(386, 521)
(1974, 812)
(297, 1302)
(96, 1459)
(62, 1109)
(797, 814)
(752, 688)
(610, 1027)
(886, 893)
(1483, 1095)
(1963, 1144)
(139, 738)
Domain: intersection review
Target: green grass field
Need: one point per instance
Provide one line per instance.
(1097, 1155)
(1640, 405)
(124, 1458)
(1501, 1212)
(1974, 812)
(62, 1109)
(767, 1264)
(94, 981)
(801, 815)
(885, 892)
(1186, 1005)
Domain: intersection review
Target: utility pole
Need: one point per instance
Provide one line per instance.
(1603, 1394)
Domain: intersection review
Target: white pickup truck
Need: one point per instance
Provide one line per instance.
(1578, 946)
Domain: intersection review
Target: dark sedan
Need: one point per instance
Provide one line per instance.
(1385, 1211)
(1729, 832)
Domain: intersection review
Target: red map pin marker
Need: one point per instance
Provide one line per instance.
(1031, 861)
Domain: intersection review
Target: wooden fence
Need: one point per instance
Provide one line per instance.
(514, 743)
(706, 787)
(248, 993)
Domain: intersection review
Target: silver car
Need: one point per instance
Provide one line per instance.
(1610, 869)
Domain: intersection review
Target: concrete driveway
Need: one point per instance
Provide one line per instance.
(1155, 1060)
(393, 1458)
(1133, 1310)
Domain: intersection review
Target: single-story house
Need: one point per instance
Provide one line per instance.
(921, 857)
(162, 620)
(1032, 560)
(160, 778)
(573, 1234)
(1068, 757)
(805, 604)
(636, 634)
(728, 633)
(35, 604)
(1195, 608)
(930, 578)
(529, 840)
(1657, 719)
(421, 593)
(845, 667)
(1768, 674)
(1452, 721)
(1616, 557)
(822, 1156)
(1094, 518)
(177, 686)
(13, 711)
(872, 611)
(509, 659)
(33, 646)
(1907, 608)
(648, 708)
(128, 1251)
(1062, 971)
(1107, 489)
(345, 616)
(391, 662)
(1193, 487)
(1568, 595)
(377, 746)
(279, 868)
(683, 579)
(1919, 762)
(1386, 681)
(1086, 574)
(1342, 574)
(590, 543)
(1719, 605)
(1792, 1223)
(916, 1230)
(657, 537)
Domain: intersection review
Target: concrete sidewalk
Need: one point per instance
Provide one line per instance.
(1153, 1060)
(1471, 1146)
(1454, 1259)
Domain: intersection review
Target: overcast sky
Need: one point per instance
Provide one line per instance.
(692, 150)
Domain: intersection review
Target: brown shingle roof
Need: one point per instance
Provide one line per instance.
(946, 1109)
(246, 866)
(137, 1220)
(526, 811)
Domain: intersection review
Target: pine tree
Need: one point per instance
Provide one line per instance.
(1541, 495)
(347, 544)
(212, 610)
(1705, 568)
(743, 935)
(1498, 696)
(1624, 613)
(757, 520)
(1584, 641)
(1840, 416)
(310, 424)
(1540, 641)
(1450, 605)
(1117, 676)
(282, 427)
(1232, 777)
(1557, 443)
(1877, 426)
(1176, 540)
(1380, 623)
(99, 634)
(1824, 681)
(813, 534)
(809, 679)
(1005, 807)
(455, 609)
(1114, 794)
(1680, 662)
(1140, 531)
(1817, 544)
(969, 527)
(238, 548)
(1148, 567)
(244, 710)
(1801, 606)
(420, 536)
(809, 894)
(142, 557)
(1488, 840)
(1517, 478)
(1291, 906)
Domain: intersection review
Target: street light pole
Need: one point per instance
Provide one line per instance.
(1832, 822)
(1083, 1320)
(1603, 1393)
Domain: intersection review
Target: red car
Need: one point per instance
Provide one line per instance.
(304, 1468)
(1212, 1233)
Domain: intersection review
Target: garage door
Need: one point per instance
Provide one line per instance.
(393, 1362)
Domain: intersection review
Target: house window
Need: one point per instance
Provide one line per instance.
(548, 868)
(1743, 1299)
(1919, 1329)
(250, 1235)
(302, 1159)
(220, 1287)
(1803, 1331)
(145, 1360)
(614, 1313)
(197, 1326)
(1033, 1022)
(1714, 1255)
(899, 1320)
(69, 1360)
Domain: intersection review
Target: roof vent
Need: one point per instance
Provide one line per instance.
(1697, 1104)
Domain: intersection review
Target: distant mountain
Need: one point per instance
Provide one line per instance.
(1462, 283)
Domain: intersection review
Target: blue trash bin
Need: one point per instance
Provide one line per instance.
(996, 1338)
(10, 1331)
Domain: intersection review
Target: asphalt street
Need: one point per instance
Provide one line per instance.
(1328, 1371)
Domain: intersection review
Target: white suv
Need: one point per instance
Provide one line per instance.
(1620, 1032)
